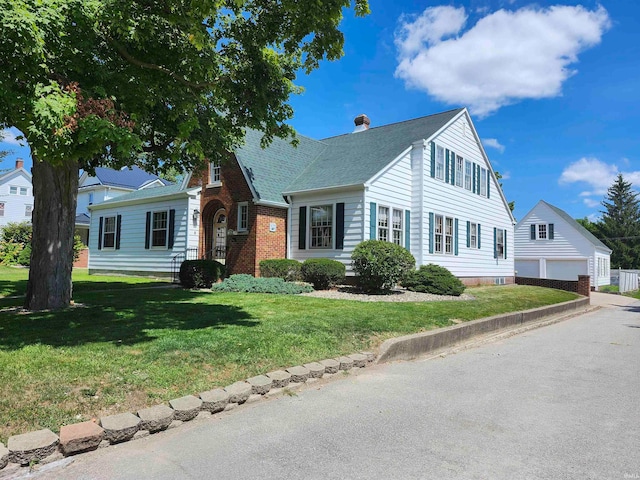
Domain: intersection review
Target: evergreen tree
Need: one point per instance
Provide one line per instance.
(620, 225)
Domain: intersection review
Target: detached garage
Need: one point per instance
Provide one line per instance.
(550, 244)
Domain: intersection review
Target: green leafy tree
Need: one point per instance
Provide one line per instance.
(592, 227)
(620, 225)
(512, 203)
(158, 83)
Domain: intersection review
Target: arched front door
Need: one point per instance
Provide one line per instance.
(220, 235)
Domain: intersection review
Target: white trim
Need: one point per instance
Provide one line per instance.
(151, 230)
(191, 193)
(239, 217)
(267, 203)
(324, 189)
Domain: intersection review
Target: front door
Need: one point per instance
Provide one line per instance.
(220, 235)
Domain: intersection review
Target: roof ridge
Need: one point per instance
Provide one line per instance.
(459, 109)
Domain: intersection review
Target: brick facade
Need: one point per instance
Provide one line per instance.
(245, 250)
(582, 286)
(83, 259)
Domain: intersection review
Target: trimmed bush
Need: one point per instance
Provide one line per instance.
(25, 256)
(380, 265)
(323, 273)
(433, 279)
(247, 283)
(200, 273)
(284, 268)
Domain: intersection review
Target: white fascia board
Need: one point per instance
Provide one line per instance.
(325, 189)
(186, 194)
(267, 203)
(10, 174)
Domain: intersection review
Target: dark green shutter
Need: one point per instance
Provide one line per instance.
(172, 228)
(533, 231)
(147, 232)
(551, 232)
(407, 229)
(118, 228)
(455, 238)
(433, 159)
(302, 229)
(431, 230)
(339, 226)
(495, 242)
(453, 168)
(468, 234)
(473, 177)
(478, 235)
(100, 233)
(478, 179)
(446, 166)
(372, 220)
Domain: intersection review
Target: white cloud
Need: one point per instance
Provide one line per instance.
(591, 203)
(505, 175)
(493, 143)
(505, 57)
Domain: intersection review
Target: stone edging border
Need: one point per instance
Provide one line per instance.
(44, 446)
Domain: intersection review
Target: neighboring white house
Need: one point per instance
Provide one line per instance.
(551, 244)
(106, 184)
(425, 184)
(16, 195)
(141, 232)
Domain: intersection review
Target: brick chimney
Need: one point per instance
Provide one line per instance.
(362, 123)
(19, 163)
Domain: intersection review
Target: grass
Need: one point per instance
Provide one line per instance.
(118, 352)
(609, 288)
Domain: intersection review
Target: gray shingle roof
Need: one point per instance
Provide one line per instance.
(134, 178)
(270, 170)
(571, 221)
(354, 158)
(146, 194)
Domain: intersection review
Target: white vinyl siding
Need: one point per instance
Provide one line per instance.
(132, 255)
(463, 204)
(15, 204)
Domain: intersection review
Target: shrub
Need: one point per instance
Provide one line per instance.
(434, 279)
(286, 269)
(25, 256)
(14, 232)
(249, 284)
(323, 273)
(10, 252)
(200, 273)
(380, 265)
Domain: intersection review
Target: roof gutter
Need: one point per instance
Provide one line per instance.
(137, 201)
(323, 189)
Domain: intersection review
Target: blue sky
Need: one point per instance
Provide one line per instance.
(553, 88)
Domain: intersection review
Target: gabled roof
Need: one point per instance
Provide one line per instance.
(13, 172)
(132, 178)
(354, 158)
(145, 194)
(82, 219)
(270, 170)
(572, 222)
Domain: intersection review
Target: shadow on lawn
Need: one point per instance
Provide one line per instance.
(19, 287)
(121, 318)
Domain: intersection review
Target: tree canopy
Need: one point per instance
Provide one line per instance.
(164, 84)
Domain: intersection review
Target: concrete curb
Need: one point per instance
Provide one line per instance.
(419, 344)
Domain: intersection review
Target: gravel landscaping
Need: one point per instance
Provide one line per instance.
(346, 292)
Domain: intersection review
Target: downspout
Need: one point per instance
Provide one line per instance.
(289, 227)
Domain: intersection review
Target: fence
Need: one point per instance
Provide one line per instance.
(626, 280)
(219, 254)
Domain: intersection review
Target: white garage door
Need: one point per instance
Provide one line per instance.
(566, 269)
(528, 268)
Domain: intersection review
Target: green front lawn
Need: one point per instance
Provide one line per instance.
(122, 350)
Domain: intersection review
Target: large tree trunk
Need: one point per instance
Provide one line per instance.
(55, 191)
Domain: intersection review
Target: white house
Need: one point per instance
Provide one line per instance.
(551, 244)
(425, 184)
(16, 195)
(142, 232)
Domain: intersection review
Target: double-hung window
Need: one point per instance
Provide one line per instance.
(1, 209)
(24, 191)
(440, 163)
(28, 210)
(448, 235)
(473, 235)
(321, 226)
(243, 217)
(438, 231)
(467, 174)
(109, 232)
(214, 174)
(397, 226)
(159, 229)
(483, 181)
(383, 223)
(459, 170)
(499, 243)
(542, 231)
(13, 190)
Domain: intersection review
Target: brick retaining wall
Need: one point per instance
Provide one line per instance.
(582, 286)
